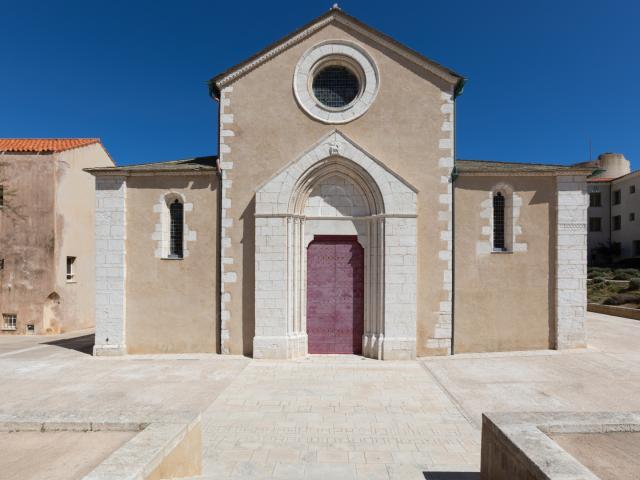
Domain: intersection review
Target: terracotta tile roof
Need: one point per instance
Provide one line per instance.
(600, 180)
(43, 144)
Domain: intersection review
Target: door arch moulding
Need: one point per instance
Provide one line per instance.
(387, 231)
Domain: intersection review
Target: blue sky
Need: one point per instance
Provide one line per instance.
(544, 76)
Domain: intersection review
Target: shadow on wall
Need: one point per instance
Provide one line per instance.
(551, 295)
(83, 344)
(248, 277)
(451, 475)
(172, 183)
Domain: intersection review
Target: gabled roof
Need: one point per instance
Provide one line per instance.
(494, 167)
(39, 145)
(206, 164)
(334, 15)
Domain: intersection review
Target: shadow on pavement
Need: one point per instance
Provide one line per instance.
(83, 344)
(451, 475)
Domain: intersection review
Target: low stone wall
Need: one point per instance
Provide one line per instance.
(515, 446)
(501, 459)
(626, 312)
(159, 451)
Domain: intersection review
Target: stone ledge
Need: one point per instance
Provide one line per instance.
(626, 312)
(109, 350)
(399, 348)
(516, 445)
(166, 449)
(64, 425)
(280, 347)
(162, 450)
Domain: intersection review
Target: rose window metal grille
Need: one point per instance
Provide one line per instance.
(336, 86)
(498, 222)
(176, 213)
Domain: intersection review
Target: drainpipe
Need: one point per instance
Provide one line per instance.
(454, 174)
(215, 95)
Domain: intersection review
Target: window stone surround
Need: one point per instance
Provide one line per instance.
(161, 232)
(342, 51)
(388, 235)
(513, 228)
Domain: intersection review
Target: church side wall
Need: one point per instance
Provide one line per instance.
(171, 305)
(504, 301)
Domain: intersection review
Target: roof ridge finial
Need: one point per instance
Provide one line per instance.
(335, 6)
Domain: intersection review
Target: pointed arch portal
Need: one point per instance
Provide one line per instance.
(336, 189)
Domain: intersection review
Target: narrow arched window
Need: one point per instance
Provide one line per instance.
(176, 227)
(498, 222)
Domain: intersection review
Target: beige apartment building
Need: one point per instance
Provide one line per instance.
(614, 230)
(335, 220)
(47, 247)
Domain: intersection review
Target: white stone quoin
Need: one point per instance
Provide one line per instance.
(110, 237)
(228, 274)
(571, 261)
(368, 201)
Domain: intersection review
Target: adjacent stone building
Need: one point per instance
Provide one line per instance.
(47, 248)
(614, 230)
(335, 220)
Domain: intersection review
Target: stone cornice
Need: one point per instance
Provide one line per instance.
(339, 17)
(363, 217)
(502, 173)
(155, 173)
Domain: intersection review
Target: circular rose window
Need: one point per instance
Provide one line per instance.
(335, 82)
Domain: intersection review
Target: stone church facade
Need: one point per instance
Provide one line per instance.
(335, 220)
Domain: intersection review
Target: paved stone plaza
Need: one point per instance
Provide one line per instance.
(325, 416)
(336, 417)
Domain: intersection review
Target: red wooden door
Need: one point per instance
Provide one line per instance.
(335, 295)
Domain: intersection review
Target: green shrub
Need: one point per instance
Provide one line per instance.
(625, 273)
(634, 284)
(623, 276)
(597, 280)
(629, 271)
(594, 272)
(622, 298)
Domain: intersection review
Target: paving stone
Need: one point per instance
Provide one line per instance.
(289, 471)
(275, 419)
(372, 472)
(339, 417)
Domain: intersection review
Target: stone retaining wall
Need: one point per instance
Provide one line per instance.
(626, 312)
(516, 446)
(160, 450)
